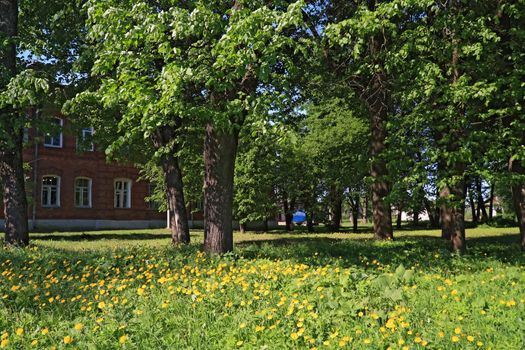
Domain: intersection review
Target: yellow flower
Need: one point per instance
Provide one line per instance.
(239, 343)
(45, 331)
(34, 342)
(367, 341)
(78, 326)
(455, 339)
(294, 336)
(122, 339)
(242, 325)
(418, 340)
(19, 331)
(68, 339)
(4, 343)
(457, 330)
(140, 291)
(101, 305)
(259, 328)
(441, 334)
(479, 343)
(470, 338)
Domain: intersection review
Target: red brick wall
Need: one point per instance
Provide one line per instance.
(67, 163)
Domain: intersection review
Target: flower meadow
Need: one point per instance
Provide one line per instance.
(315, 293)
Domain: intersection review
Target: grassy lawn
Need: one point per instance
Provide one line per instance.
(130, 289)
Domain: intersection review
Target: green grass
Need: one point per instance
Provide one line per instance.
(130, 289)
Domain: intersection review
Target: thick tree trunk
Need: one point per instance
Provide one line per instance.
(11, 163)
(220, 149)
(381, 211)
(336, 208)
(180, 230)
(457, 239)
(518, 196)
(446, 213)
(15, 201)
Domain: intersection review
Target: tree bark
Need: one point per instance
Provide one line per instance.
(336, 208)
(180, 230)
(491, 201)
(481, 202)
(355, 214)
(288, 216)
(11, 162)
(416, 218)
(473, 206)
(365, 211)
(381, 211)
(518, 196)
(399, 218)
(310, 222)
(242, 227)
(220, 148)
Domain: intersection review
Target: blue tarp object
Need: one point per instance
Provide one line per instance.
(299, 217)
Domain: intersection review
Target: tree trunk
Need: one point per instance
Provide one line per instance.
(288, 216)
(457, 239)
(11, 163)
(473, 206)
(336, 208)
(446, 212)
(433, 213)
(242, 227)
(381, 211)
(355, 214)
(491, 201)
(15, 200)
(416, 218)
(220, 149)
(265, 225)
(481, 201)
(365, 211)
(518, 196)
(399, 218)
(180, 230)
(310, 222)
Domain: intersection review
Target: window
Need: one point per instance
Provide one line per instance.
(83, 192)
(54, 139)
(152, 202)
(86, 143)
(50, 191)
(122, 193)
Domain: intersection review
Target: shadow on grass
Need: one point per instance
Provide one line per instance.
(428, 253)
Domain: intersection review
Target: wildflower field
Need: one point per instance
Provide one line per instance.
(277, 291)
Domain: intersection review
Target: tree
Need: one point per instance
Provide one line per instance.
(196, 62)
(37, 55)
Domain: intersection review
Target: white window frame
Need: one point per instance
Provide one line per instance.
(48, 197)
(60, 136)
(87, 149)
(120, 203)
(89, 194)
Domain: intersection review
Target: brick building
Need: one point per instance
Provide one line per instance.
(71, 186)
